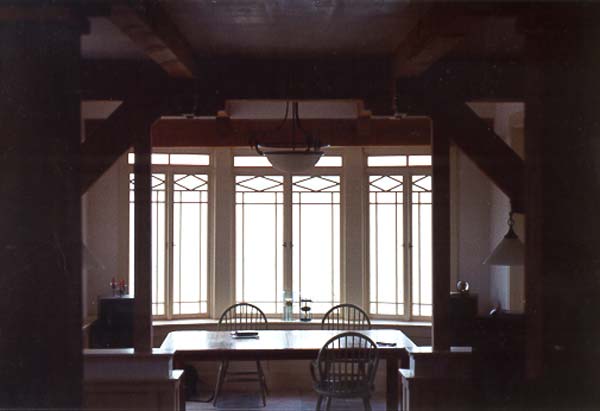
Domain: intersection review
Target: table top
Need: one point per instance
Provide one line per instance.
(288, 344)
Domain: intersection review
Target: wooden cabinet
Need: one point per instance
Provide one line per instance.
(462, 313)
(499, 357)
(125, 395)
(114, 326)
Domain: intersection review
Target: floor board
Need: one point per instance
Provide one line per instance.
(289, 400)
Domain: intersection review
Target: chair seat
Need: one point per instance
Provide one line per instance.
(343, 389)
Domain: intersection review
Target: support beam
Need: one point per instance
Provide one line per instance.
(486, 149)
(116, 135)
(562, 236)
(439, 30)
(490, 81)
(41, 364)
(440, 148)
(225, 132)
(142, 169)
(156, 34)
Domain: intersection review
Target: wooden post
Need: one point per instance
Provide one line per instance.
(562, 236)
(142, 331)
(441, 239)
(41, 363)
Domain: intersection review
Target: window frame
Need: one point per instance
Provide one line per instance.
(287, 231)
(406, 172)
(354, 252)
(169, 170)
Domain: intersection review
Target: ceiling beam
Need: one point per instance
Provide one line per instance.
(491, 81)
(485, 148)
(439, 29)
(115, 135)
(227, 132)
(151, 28)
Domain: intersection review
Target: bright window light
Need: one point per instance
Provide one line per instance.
(329, 161)
(190, 159)
(421, 160)
(251, 161)
(386, 161)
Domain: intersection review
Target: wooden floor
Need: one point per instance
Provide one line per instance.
(291, 400)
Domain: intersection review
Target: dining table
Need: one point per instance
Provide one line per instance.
(201, 345)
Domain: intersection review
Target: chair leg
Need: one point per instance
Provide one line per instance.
(319, 402)
(367, 403)
(328, 406)
(220, 379)
(262, 383)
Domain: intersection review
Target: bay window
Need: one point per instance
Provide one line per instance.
(358, 233)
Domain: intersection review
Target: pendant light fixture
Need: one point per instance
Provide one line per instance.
(293, 156)
(510, 251)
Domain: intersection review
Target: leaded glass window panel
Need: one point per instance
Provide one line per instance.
(386, 242)
(159, 256)
(421, 206)
(259, 236)
(190, 249)
(316, 239)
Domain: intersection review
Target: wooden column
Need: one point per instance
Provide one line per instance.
(40, 210)
(142, 332)
(562, 226)
(441, 238)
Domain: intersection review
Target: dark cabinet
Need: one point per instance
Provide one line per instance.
(462, 314)
(499, 354)
(114, 326)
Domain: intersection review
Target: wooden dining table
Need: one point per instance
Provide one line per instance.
(286, 345)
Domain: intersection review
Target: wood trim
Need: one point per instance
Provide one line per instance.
(212, 132)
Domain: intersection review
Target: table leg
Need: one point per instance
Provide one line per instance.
(391, 397)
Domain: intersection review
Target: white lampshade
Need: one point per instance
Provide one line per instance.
(293, 161)
(509, 252)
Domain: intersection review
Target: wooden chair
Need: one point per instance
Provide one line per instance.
(346, 317)
(242, 316)
(345, 368)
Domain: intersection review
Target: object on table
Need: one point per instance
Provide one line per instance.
(305, 309)
(288, 303)
(244, 334)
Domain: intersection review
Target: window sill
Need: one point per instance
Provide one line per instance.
(276, 323)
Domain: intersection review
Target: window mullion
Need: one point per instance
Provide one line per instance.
(408, 245)
(287, 235)
(169, 210)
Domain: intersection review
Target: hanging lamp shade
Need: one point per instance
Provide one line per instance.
(293, 161)
(510, 251)
(293, 156)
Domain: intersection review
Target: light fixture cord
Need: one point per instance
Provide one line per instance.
(307, 136)
(511, 221)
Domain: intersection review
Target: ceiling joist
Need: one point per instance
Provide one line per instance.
(156, 34)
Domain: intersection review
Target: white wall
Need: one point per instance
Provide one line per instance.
(100, 216)
(471, 213)
(506, 284)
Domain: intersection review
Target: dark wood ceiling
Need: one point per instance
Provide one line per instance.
(317, 49)
(320, 28)
(293, 27)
